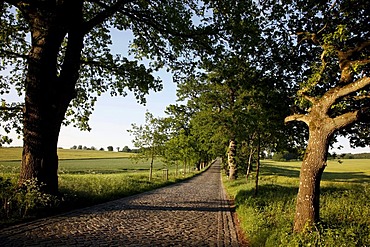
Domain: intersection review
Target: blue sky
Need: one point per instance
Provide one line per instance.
(113, 116)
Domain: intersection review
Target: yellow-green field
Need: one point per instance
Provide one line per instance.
(15, 154)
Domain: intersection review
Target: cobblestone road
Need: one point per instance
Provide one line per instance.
(191, 213)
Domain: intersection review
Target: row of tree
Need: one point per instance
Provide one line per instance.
(243, 69)
(125, 149)
(237, 101)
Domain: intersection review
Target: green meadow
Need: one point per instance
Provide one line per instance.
(267, 218)
(87, 177)
(83, 162)
(15, 153)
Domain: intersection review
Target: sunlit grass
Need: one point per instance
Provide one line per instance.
(268, 217)
(89, 189)
(86, 178)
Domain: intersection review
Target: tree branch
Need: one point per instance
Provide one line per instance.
(361, 97)
(108, 12)
(351, 88)
(5, 108)
(142, 17)
(331, 96)
(347, 69)
(14, 54)
(297, 117)
(309, 98)
(345, 119)
(308, 36)
(344, 55)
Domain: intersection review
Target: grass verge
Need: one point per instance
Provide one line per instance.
(267, 218)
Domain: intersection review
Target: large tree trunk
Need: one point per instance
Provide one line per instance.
(313, 165)
(39, 157)
(231, 154)
(47, 93)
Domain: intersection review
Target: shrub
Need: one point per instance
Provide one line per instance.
(24, 200)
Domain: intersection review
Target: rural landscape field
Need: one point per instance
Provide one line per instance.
(91, 177)
(267, 217)
(266, 91)
(88, 177)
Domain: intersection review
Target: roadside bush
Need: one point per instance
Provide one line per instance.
(22, 201)
(6, 196)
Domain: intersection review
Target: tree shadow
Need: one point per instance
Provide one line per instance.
(352, 177)
(286, 171)
(266, 193)
(273, 193)
(293, 172)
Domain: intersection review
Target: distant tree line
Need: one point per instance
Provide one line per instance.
(296, 156)
(125, 149)
(350, 156)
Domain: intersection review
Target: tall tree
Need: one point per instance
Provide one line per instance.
(334, 49)
(183, 144)
(149, 138)
(69, 63)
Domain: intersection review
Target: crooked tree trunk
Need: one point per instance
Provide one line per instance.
(321, 127)
(231, 154)
(47, 94)
(313, 165)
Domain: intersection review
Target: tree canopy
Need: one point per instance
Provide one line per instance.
(58, 57)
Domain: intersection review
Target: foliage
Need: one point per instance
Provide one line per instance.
(149, 138)
(23, 201)
(333, 52)
(158, 33)
(285, 156)
(182, 145)
(126, 149)
(355, 156)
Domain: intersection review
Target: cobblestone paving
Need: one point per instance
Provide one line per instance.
(191, 213)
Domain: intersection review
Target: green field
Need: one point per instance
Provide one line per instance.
(85, 178)
(267, 218)
(15, 154)
(81, 166)
(347, 170)
(81, 161)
